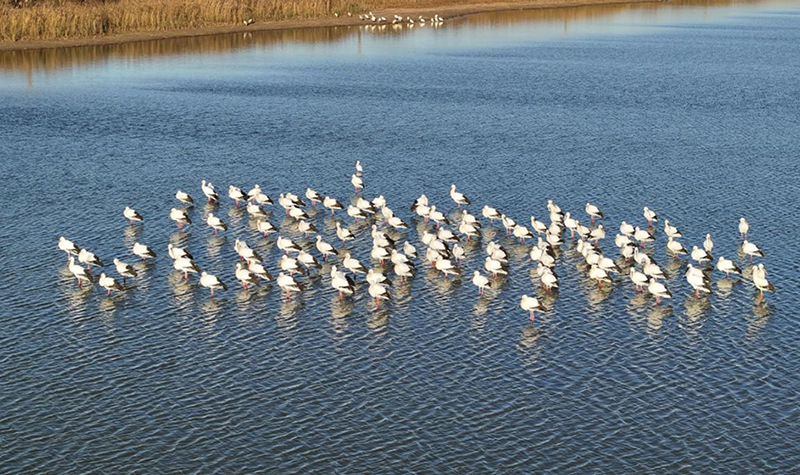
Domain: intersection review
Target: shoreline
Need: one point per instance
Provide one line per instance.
(447, 12)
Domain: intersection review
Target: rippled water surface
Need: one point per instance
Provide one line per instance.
(691, 110)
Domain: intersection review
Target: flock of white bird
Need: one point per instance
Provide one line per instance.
(397, 19)
(444, 250)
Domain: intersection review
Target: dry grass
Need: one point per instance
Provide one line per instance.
(55, 19)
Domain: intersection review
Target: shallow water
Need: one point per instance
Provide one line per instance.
(689, 110)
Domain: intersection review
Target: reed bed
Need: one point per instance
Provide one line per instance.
(56, 19)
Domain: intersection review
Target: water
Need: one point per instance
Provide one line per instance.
(691, 110)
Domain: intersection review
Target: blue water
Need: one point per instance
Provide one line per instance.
(692, 111)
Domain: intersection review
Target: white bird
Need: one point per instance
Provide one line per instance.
(353, 265)
(459, 198)
(675, 248)
(639, 279)
(760, 280)
(184, 198)
(79, 272)
(180, 216)
(744, 227)
(176, 252)
(377, 277)
(599, 275)
(245, 276)
(215, 223)
(494, 267)
(508, 223)
(650, 216)
(211, 282)
(89, 259)
(263, 199)
(245, 252)
(698, 282)
(343, 234)
(491, 214)
(409, 250)
(68, 246)
(548, 278)
(253, 193)
(308, 260)
(396, 222)
(469, 230)
(700, 255)
(185, 265)
(446, 235)
(342, 283)
(288, 284)
(108, 283)
(256, 211)
(143, 251)
(671, 231)
(597, 234)
(236, 194)
(359, 168)
(365, 206)
(530, 305)
(379, 254)
(553, 208)
(626, 229)
(728, 267)
(438, 217)
(378, 202)
(356, 213)
(285, 203)
(522, 233)
(593, 211)
(125, 270)
(446, 267)
(258, 270)
(751, 250)
(708, 244)
(378, 292)
(642, 235)
(306, 228)
(458, 253)
(287, 245)
(480, 281)
(298, 214)
(466, 217)
(313, 197)
(331, 204)
(659, 290)
(209, 191)
(290, 265)
(265, 227)
(132, 215)
(651, 269)
(538, 226)
(357, 183)
(324, 248)
(403, 270)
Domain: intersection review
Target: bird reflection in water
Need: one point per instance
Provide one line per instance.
(180, 239)
(696, 307)
(530, 344)
(596, 296)
(655, 317)
(287, 316)
(379, 319)
(132, 234)
(341, 308)
(214, 244)
(725, 286)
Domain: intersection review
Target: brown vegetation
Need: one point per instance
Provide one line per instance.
(53, 19)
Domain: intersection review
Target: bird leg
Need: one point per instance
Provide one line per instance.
(531, 316)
